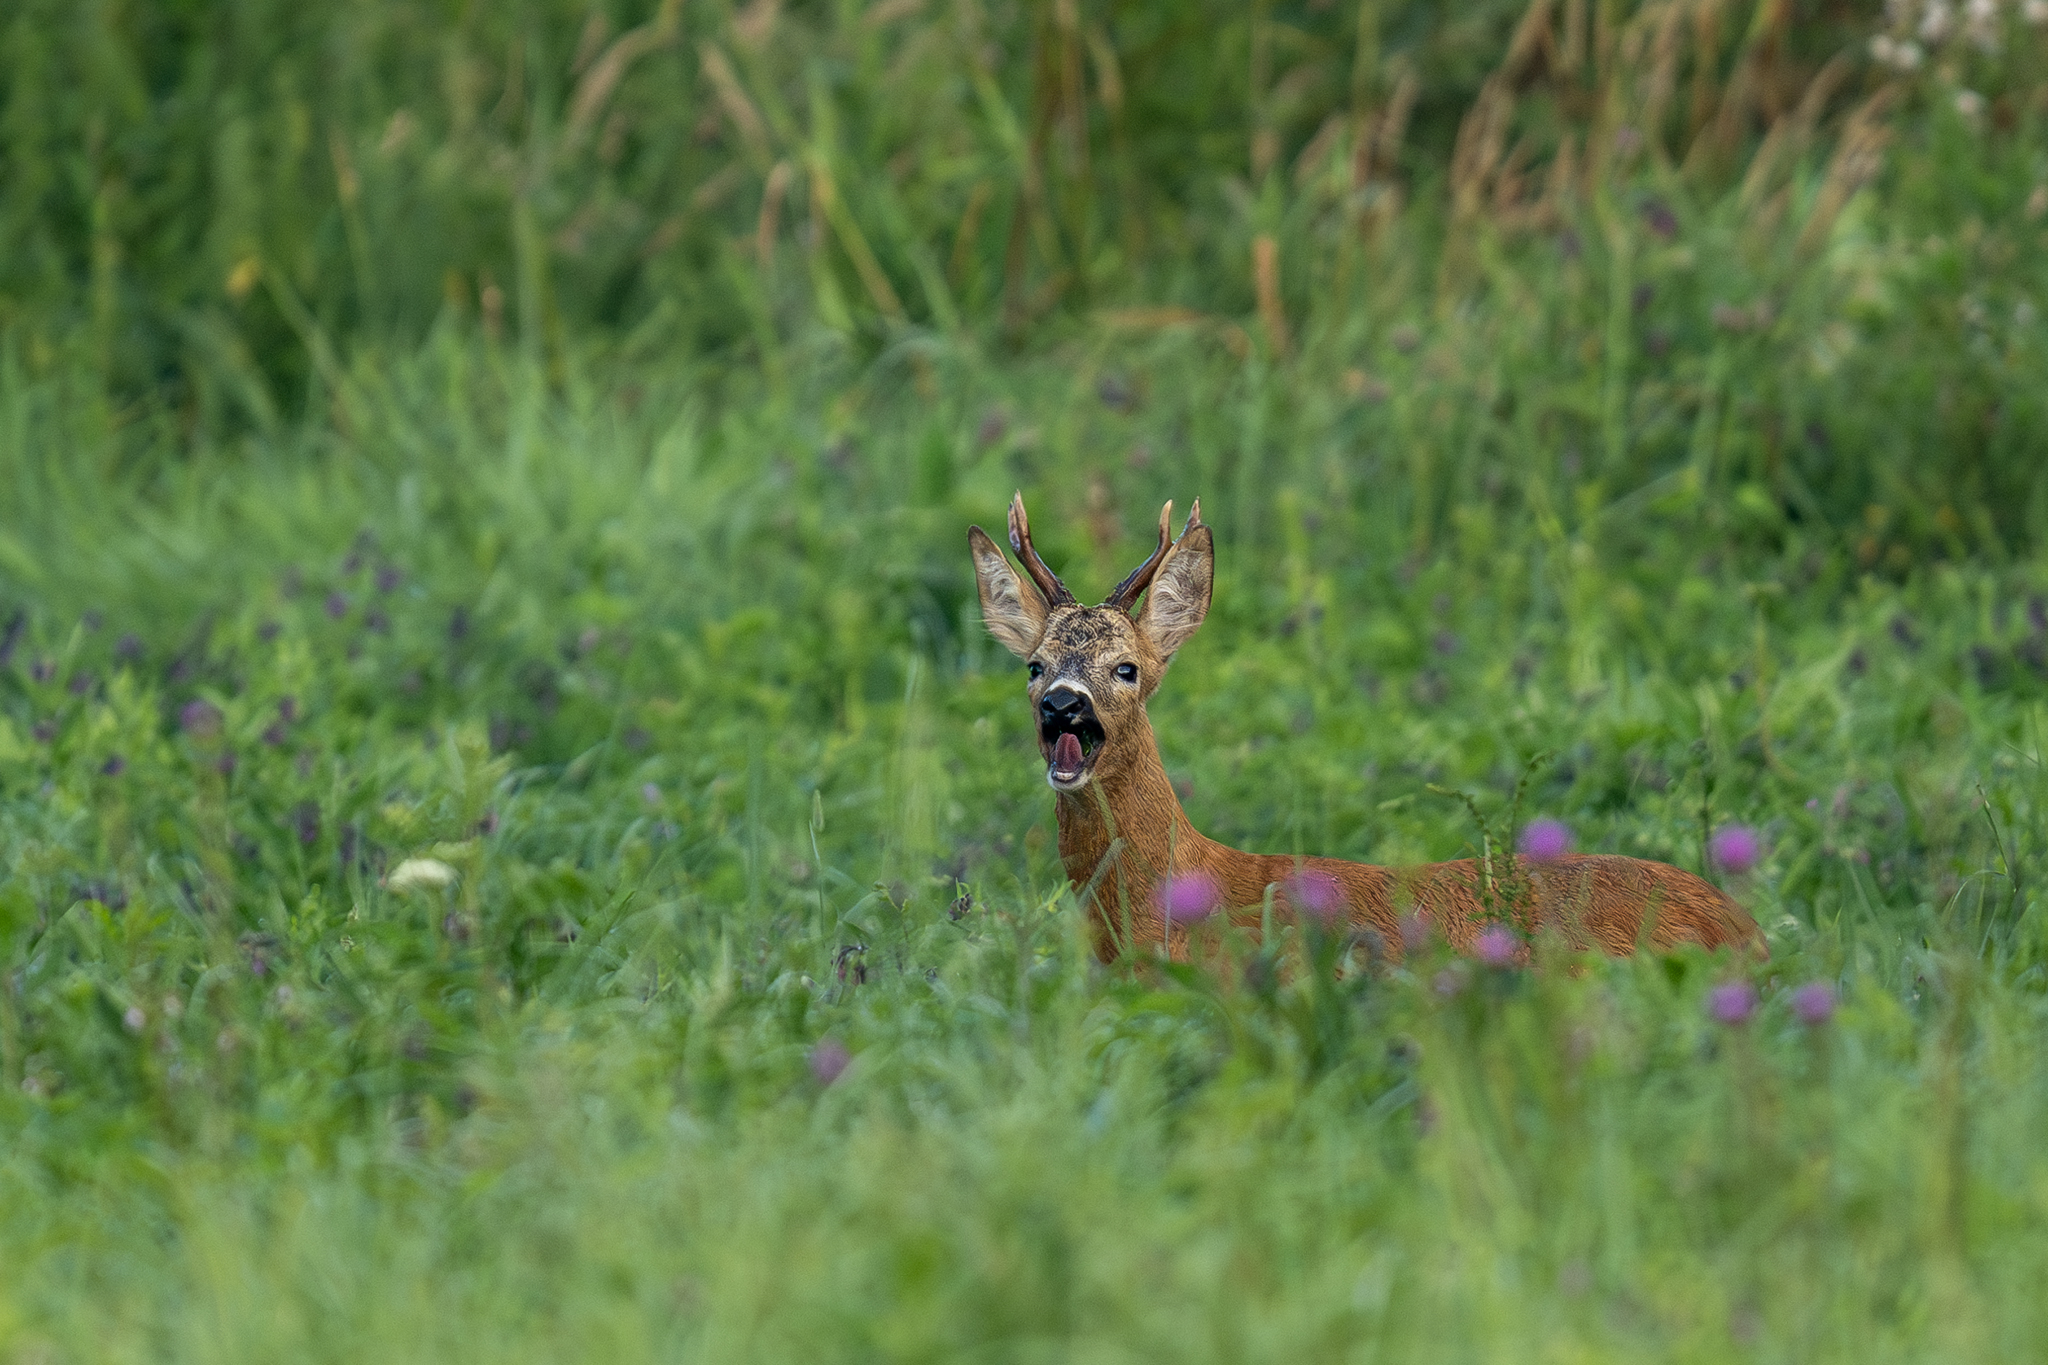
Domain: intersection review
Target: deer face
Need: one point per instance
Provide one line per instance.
(1093, 667)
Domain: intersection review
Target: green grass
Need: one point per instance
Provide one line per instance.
(656, 624)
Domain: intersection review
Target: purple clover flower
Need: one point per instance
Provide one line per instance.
(1316, 895)
(389, 576)
(651, 794)
(1545, 841)
(114, 766)
(199, 718)
(1732, 1003)
(1496, 946)
(1190, 897)
(1814, 1003)
(337, 604)
(829, 1060)
(1735, 848)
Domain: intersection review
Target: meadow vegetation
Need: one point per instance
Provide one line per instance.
(515, 845)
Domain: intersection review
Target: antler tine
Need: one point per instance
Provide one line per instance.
(1126, 593)
(1056, 594)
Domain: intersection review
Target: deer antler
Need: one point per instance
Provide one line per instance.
(1056, 594)
(1126, 594)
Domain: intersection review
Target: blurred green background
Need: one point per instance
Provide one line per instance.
(540, 439)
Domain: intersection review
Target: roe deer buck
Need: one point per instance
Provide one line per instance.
(1129, 848)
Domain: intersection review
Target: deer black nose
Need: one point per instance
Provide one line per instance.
(1063, 704)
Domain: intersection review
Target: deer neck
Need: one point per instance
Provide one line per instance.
(1126, 829)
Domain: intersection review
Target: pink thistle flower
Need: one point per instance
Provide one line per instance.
(1732, 1003)
(1190, 897)
(1316, 895)
(829, 1060)
(1545, 841)
(1495, 946)
(1814, 1003)
(1735, 848)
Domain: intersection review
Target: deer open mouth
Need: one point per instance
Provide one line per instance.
(1071, 744)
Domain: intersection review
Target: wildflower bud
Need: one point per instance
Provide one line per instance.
(1546, 841)
(1814, 1003)
(1732, 1003)
(829, 1060)
(1414, 932)
(1735, 848)
(1496, 946)
(1316, 895)
(1190, 897)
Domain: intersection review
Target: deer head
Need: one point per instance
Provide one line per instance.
(1093, 667)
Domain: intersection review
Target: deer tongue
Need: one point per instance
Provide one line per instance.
(1066, 753)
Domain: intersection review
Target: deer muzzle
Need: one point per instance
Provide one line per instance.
(1069, 735)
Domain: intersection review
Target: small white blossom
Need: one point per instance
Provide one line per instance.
(427, 872)
(2034, 11)
(1934, 21)
(1980, 22)
(1969, 104)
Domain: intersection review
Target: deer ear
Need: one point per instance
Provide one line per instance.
(1179, 598)
(1013, 609)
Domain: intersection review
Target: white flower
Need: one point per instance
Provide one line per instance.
(430, 872)
(2034, 11)
(1980, 21)
(1934, 21)
(1969, 103)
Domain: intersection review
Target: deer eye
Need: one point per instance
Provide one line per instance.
(1037, 669)
(1128, 672)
